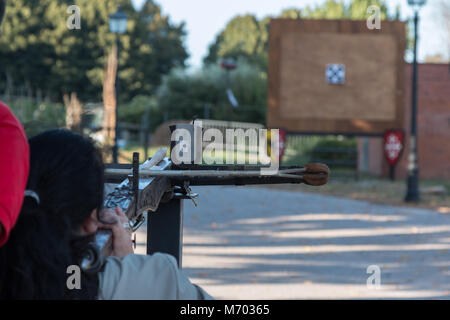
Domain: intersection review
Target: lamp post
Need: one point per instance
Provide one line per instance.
(117, 25)
(412, 194)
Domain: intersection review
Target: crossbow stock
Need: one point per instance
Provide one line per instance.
(141, 189)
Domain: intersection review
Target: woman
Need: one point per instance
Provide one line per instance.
(61, 212)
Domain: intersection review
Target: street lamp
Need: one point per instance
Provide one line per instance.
(117, 25)
(412, 194)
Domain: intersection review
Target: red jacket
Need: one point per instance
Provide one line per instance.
(14, 167)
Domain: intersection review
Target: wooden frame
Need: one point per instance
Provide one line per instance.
(302, 105)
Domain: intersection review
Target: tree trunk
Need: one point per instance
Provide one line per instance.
(109, 98)
(74, 111)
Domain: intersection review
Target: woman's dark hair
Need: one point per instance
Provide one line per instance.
(66, 171)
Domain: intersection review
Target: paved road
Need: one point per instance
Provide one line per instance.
(256, 243)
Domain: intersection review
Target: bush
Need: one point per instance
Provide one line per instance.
(185, 95)
(141, 109)
(303, 149)
(334, 143)
(37, 117)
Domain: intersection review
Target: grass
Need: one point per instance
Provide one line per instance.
(126, 155)
(343, 184)
(377, 190)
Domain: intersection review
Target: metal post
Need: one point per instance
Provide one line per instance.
(230, 112)
(412, 194)
(165, 230)
(206, 111)
(116, 136)
(146, 129)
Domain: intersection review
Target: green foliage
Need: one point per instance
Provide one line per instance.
(247, 37)
(185, 95)
(134, 111)
(298, 149)
(291, 14)
(142, 110)
(336, 142)
(244, 36)
(355, 10)
(325, 149)
(37, 48)
(304, 149)
(156, 47)
(38, 117)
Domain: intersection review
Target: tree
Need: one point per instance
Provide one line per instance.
(245, 36)
(185, 95)
(81, 54)
(156, 47)
(38, 50)
(291, 13)
(355, 10)
(29, 28)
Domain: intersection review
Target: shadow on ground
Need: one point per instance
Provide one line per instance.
(257, 243)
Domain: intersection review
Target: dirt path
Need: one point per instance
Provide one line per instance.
(255, 243)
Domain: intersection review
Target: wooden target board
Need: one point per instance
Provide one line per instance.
(336, 76)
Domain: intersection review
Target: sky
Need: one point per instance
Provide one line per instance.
(206, 18)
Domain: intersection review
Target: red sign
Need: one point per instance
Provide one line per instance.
(393, 145)
(282, 144)
(228, 64)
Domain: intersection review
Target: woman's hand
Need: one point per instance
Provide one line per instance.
(122, 244)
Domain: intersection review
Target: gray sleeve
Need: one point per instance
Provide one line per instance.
(146, 277)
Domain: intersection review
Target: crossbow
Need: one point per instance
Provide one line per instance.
(154, 192)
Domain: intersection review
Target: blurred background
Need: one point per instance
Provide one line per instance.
(126, 69)
(177, 61)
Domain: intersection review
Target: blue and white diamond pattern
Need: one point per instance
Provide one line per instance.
(335, 73)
